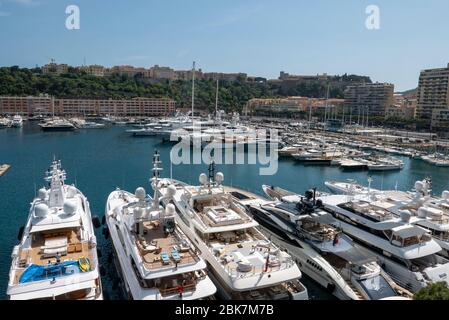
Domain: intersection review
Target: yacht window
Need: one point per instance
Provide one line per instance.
(420, 264)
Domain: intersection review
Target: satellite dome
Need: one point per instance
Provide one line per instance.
(41, 210)
(71, 192)
(171, 191)
(170, 209)
(445, 195)
(140, 193)
(405, 215)
(203, 178)
(69, 207)
(419, 186)
(42, 194)
(219, 177)
(422, 212)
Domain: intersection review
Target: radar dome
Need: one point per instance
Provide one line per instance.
(71, 192)
(405, 215)
(422, 212)
(419, 186)
(140, 193)
(203, 178)
(219, 177)
(171, 191)
(42, 194)
(445, 195)
(41, 210)
(170, 209)
(69, 207)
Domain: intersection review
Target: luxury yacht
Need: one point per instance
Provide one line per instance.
(243, 263)
(57, 255)
(142, 132)
(155, 258)
(324, 253)
(350, 187)
(407, 252)
(427, 211)
(57, 125)
(17, 121)
(5, 123)
(277, 193)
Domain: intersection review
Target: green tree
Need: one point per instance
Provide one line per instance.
(435, 291)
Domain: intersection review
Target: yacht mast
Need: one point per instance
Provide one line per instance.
(193, 88)
(216, 101)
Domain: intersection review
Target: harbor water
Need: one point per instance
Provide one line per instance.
(99, 161)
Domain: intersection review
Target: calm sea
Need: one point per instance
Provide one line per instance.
(98, 161)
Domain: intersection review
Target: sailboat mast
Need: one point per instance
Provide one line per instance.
(216, 101)
(193, 87)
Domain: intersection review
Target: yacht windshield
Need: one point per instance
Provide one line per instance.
(377, 288)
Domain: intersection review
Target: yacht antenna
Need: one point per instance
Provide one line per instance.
(211, 172)
(156, 174)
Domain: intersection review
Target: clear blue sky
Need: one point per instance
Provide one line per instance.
(259, 37)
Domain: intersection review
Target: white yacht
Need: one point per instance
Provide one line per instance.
(326, 254)
(405, 251)
(243, 263)
(427, 211)
(17, 121)
(56, 124)
(57, 255)
(350, 187)
(155, 258)
(5, 122)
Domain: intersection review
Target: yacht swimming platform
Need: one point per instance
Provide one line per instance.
(4, 168)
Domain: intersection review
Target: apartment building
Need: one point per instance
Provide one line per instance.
(55, 68)
(377, 97)
(144, 107)
(95, 70)
(433, 92)
(25, 105)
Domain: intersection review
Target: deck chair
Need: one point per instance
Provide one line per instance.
(175, 255)
(165, 258)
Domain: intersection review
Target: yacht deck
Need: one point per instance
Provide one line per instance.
(73, 250)
(158, 249)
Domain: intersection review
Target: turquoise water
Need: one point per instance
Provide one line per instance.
(98, 161)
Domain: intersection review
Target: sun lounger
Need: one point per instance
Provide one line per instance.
(54, 252)
(175, 255)
(165, 258)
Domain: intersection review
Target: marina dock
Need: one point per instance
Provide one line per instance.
(4, 168)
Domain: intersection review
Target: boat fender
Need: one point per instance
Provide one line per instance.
(106, 233)
(96, 222)
(103, 220)
(330, 287)
(20, 233)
